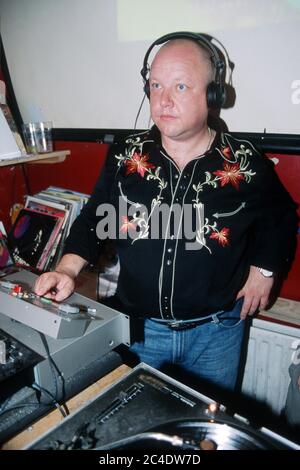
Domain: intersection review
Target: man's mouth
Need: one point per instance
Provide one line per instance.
(167, 117)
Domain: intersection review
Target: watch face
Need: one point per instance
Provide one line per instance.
(265, 272)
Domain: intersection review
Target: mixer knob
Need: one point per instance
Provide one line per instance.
(67, 308)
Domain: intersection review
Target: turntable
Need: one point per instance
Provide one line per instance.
(149, 410)
(58, 332)
(50, 351)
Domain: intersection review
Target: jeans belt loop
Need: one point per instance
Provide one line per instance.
(215, 318)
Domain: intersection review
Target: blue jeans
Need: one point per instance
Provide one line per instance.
(210, 351)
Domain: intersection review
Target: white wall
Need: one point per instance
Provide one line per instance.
(78, 62)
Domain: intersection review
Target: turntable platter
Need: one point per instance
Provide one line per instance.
(197, 435)
(149, 410)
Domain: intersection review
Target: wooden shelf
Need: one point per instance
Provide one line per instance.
(38, 428)
(51, 157)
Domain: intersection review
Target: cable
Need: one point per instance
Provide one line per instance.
(62, 408)
(139, 111)
(22, 405)
(4, 404)
(54, 369)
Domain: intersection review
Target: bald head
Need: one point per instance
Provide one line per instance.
(179, 75)
(187, 49)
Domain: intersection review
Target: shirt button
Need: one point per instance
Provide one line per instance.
(169, 262)
(176, 176)
(172, 237)
(169, 250)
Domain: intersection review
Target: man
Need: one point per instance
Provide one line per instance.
(203, 225)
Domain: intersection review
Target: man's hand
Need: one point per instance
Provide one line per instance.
(59, 284)
(256, 292)
(55, 285)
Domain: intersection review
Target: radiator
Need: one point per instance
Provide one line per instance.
(271, 349)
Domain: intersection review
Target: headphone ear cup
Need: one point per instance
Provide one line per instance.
(147, 89)
(215, 95)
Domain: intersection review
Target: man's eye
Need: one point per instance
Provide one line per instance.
(181, 87)
(155, 86)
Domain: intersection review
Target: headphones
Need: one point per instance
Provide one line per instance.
(215, 93)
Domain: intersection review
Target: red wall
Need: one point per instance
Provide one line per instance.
(80, 171)
(288, 169)
(12, 189)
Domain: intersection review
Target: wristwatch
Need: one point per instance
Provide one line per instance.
(265, 272)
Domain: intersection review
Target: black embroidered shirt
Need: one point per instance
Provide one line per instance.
(186, 239)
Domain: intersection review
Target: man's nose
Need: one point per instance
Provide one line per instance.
(166, 98)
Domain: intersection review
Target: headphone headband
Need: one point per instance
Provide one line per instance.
(198, 37)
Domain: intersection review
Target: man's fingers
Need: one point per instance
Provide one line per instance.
(245, 308)
(45, 285)
(240, 295)
(263, 303)
(55, 286)
(63, 292)
(250, 306)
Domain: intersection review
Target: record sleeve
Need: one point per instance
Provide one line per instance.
(30, 235)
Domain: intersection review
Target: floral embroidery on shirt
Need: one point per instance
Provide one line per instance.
(204, 228)
(127, 225)
(138, 164)
(226, 151)
(234, 173)
(230, 174)
(221, 236)
(135, 161)
(236, 170)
